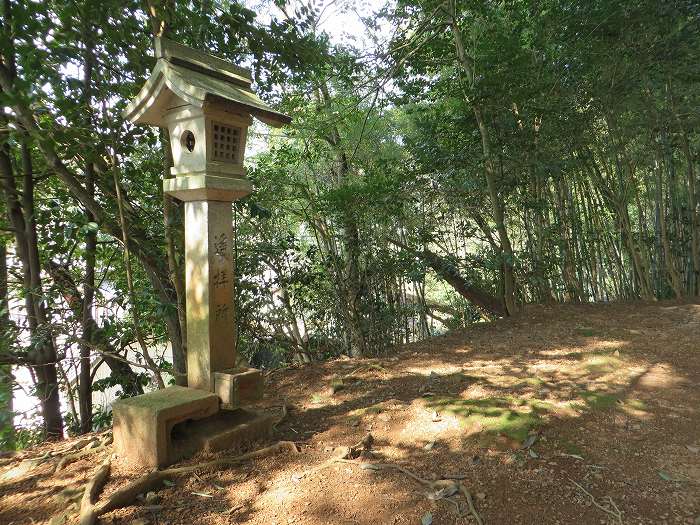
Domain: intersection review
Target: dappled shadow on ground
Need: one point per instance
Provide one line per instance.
(596, 390)
(605, 396)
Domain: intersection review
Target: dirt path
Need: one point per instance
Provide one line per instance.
(607, 397)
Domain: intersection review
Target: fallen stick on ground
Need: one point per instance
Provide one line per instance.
(127, 494)
(440, 489)
(470, 502)
(613, 511)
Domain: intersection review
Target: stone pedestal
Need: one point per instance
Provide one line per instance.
(143, 425)
(162, 427)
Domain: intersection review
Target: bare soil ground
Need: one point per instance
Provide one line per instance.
(567, 414)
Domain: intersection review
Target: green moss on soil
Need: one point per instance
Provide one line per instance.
(494, 415)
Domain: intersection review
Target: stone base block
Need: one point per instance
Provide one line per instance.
(144, 425)
(229, 429)
(236, 386)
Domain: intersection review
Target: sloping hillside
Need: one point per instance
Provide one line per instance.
(570, 414)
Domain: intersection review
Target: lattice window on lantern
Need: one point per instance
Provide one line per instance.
(225, 143)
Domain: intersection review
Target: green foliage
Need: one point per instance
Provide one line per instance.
(114, 380)
(7, 431)
(590, 110)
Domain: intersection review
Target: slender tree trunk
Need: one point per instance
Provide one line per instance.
(447, 271)
(45, 369)
(352, 285)
(694, 215)
(567, 252)
(673, 276)
(21, 216)
(87, 322)
(7, 427)
(693, 204)
(130, 281)
(120, 371)
(507, 257)
(171, 213)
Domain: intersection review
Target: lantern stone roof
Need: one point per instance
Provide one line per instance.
(186, 75)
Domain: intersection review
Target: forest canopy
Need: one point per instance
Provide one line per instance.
(456, 161)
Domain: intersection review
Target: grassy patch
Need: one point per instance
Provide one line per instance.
(533, 382)
(336, 384)
(495, 415)
(317, 399)
(598, 400)
(585, 332)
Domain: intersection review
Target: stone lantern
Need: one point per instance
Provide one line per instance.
(207, 105)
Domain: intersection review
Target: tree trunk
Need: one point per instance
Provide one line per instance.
(450, 274)
(158, 378)
(7, 427)
(121, 372)
(161, 14)
(507, 258)
(45, 369)
(85, 376)
(694, 213)
(138, 241)
(171, 213)
(673, 276)
(21, 216)
(573, 293)
(352, 284)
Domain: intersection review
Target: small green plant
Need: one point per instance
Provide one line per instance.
(101, 418)
(570, 447)
(317, 399)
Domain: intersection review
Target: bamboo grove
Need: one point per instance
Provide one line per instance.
(461, 160)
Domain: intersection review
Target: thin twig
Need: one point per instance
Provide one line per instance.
(615, 511)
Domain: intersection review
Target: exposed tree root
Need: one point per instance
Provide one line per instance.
(285, 412)
(87, 446)
(70, 458)
(92, 490)
(127, 494)
(470, 502)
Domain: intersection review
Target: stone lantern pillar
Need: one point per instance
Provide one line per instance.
(207, 105)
